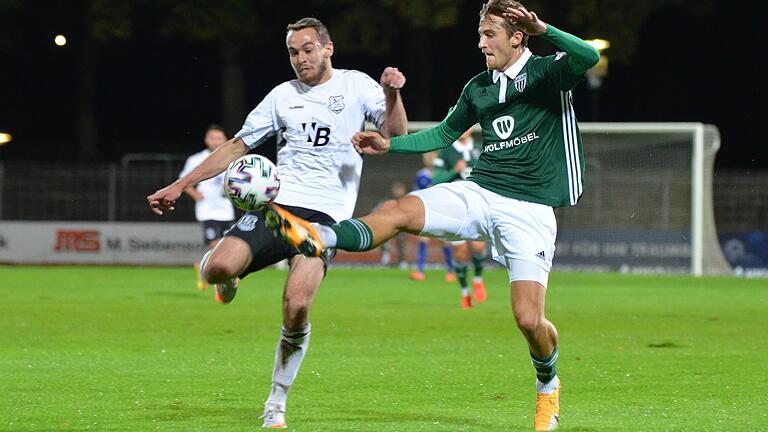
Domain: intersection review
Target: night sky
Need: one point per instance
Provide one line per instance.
(157, 93)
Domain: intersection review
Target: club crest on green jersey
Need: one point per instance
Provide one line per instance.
(503, 126)
(520, 82)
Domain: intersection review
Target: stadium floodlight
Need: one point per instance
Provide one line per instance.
(647, 204)
(5, 136)
(599, 71)
(60, 40)
(599, 44)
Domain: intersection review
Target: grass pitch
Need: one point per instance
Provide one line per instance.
(134, 349)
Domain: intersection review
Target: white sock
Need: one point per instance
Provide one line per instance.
(204, 261)
(465, 292)
(548, 387)
(477, 278)
(288, 357)
(327, 235)
(278, 394)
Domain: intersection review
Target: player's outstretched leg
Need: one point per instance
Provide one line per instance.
(294, 230)
(405, 214)
(541, 335)
(222, 265)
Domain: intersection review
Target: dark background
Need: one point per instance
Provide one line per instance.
(155, 89)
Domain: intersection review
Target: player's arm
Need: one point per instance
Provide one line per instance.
(165, 198)
(192, 190)
(581, 55)
(395, 118)
(459, 119)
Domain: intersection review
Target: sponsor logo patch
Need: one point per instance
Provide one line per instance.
(247, 222)
(503, 126)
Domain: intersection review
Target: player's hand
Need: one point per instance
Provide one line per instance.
(526, 20)
(370, 142)
(164, 199)
(392, 79)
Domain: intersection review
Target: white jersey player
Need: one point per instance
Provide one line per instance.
(212, 209)
(314, 118)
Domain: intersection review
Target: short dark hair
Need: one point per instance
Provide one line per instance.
(309, 22)
(214, 126)
(498, 7)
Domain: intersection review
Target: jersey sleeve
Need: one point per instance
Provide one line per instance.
(261, 123)
(458, 120)
(567, 68)
(372, 100)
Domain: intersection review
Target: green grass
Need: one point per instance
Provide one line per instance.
(134, 349)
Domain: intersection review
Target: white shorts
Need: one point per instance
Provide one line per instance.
(522, 234)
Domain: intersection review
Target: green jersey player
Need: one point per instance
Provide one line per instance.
(454, 163)
(531, 162)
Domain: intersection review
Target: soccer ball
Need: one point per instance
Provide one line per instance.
(251, 182)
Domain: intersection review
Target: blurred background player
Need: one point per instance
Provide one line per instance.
(455, 163)
(212, 209)
(397, 190)
(423, 181)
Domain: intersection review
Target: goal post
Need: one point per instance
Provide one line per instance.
(647, 204)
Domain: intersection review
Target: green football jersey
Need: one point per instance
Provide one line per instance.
(443, 166)
(532, 149)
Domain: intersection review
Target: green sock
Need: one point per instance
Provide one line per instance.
(478, 260)
(353, 235)
(461, 273)
(546, 368)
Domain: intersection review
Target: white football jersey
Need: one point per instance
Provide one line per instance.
(318, 167)
(214, 205)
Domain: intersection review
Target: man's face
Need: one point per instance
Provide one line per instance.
(309, 58)
(214, 139)
(498, 46)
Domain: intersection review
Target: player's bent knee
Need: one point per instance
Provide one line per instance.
(297, 305)
(391, 209)
(528, 321)
(218, 269)
(406, 212)
(296, 313)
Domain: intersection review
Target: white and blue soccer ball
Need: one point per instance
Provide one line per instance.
(251, 182)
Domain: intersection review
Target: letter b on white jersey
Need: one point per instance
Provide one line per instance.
(316, 133)
(504, 126)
